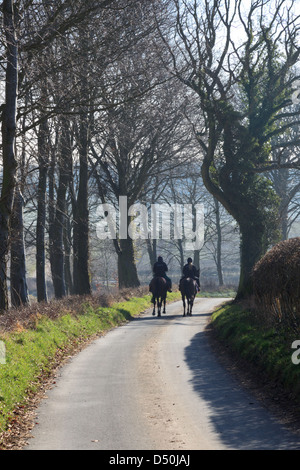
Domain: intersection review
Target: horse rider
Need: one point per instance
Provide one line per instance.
(190, 270)
(159, 270)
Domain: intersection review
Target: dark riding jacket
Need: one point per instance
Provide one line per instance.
(190, 271)
(160, 268)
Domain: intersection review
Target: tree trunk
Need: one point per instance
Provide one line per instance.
(284, 219)
(251, 250)
(57, 225)
(181, 254)
(57, 255)
(197, 260)
(127, 271)
(8, 144)
(252, 223)
(67, 258)
(219, 244)
(281, 187)
(41, 213)
(18, 284)
(152, 250)
(81, 276)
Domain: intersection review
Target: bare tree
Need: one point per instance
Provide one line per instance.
(286, 181)
(8, 143)
(144, 137)
(29, 28)
(244, 83)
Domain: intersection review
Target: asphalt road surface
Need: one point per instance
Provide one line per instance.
(154, 384)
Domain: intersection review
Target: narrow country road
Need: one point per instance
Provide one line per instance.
(154, 384)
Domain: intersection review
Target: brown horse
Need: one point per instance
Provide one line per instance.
(189, 289)
(158, 287)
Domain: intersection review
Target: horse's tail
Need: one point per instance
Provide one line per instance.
(188, 287)
(194, 288)
(155, 287)
(160, 287)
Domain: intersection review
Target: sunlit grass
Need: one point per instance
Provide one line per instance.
(266, 348)
(30, 353)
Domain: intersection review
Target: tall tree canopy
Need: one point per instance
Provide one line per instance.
(238, 58)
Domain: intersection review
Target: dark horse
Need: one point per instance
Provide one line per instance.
(158, 287)
(188, 288)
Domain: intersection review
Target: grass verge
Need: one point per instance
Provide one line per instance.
(38, 338)
(267, 349)
(214, 293)
(31, 352)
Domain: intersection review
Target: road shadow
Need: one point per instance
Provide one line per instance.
(239, 420)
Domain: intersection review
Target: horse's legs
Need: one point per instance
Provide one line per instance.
(164, 311)
(153, 313)
(160, 305)
(183, 301)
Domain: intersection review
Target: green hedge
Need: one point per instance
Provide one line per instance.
(268, 349)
